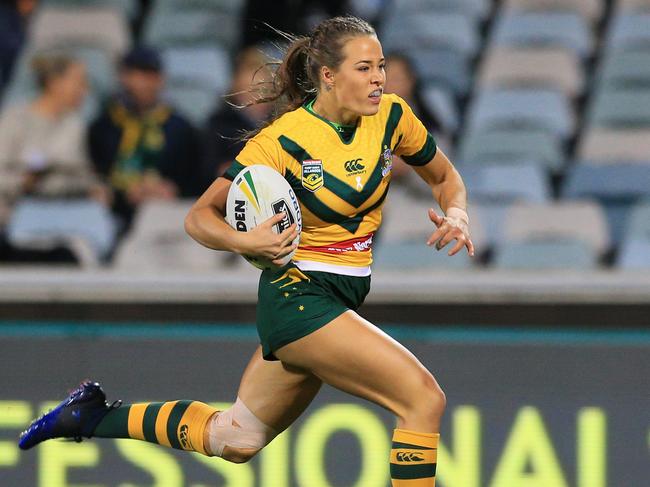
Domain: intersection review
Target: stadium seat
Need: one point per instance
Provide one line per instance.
(635, 250)
(555, 68)
(100, 27)
(625, 70)
(506, 183)
(474, 9)
(195, 103)
(558, 255)
(416, 255)
(187, 27)
(632, 5)
(617, 187)
(432, 30)
(130, 8)
(441, 102)
(562, 221)
(233, 7)
(606, 146)
(84, 226)
(629, 30)
(512, 147)
(523, 108)
(567, 30)
(444, 67)
(616, 108)
(591, 10)
(158, 243)
(198, 67)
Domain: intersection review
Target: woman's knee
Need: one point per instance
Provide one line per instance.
(426, 401)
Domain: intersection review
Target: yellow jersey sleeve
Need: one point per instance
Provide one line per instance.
(416, 146)
(261, 149)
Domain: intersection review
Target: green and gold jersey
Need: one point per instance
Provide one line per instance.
(341, 183)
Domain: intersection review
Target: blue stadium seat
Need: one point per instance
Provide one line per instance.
(417, 255)
(431, 30)
(512, 147)
(442, 102)
(131, 8)
(474, 9)
(625, 70)
(194, 103)
(629, 31)
(443, 67)
(635, 249)
(205, 67)
(558, 255)
(616, 186)
(85, 226)
(506, 183)
(620, 108)
(524, 108)
(544, 29)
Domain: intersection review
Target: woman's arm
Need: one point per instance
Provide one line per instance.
(206, 224)
(449, 191)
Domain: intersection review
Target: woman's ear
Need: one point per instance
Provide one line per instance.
(327, 77)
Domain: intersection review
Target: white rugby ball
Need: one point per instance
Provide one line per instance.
(256, 194)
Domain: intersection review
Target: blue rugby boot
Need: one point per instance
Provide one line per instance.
(76, 417)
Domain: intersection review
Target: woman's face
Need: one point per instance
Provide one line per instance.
(358, 83)
(70, 88)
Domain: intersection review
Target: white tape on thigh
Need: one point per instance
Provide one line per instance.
(238, 427)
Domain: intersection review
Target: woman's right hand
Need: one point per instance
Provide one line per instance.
(262, 241)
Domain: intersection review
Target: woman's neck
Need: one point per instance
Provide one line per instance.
(325, 105)
(48, 106)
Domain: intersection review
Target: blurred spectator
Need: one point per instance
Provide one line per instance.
(228, 123)
(42, 144)
(402, 79)
(286, 15)
(139, 142)
(14, 15)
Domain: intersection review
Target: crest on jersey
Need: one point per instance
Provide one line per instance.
(387, 161)
(312, 174)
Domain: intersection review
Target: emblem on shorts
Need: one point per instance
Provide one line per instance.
(312, 174)
(387, 161)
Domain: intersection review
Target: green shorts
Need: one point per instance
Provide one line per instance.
(292, 303)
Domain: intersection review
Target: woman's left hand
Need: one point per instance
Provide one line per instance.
(450, 228)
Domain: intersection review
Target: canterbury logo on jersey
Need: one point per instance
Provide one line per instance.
(354, 166)
(409, 456)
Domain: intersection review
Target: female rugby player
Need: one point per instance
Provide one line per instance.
(333, 141)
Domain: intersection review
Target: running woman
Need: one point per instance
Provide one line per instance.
(333, 141)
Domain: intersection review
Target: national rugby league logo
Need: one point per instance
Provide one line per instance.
(387, 161)
(312, 174)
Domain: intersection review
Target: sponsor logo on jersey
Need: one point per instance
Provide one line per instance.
(354, 166)
(280, 206)
(387, 161)
(240, 215)
(312, 174)
(359, 244)
(409, 456)
(183, 437)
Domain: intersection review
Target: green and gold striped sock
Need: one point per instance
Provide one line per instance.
(176, 424)
(413, 459)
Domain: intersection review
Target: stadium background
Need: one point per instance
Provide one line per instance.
(542, 344)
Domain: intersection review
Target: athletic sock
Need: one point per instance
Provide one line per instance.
(176, 424)
(413, 459)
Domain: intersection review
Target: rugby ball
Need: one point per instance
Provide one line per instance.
(256, 194)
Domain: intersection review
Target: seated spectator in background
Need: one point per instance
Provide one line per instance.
(227, 125)
(42, 143)
(140, 144)
(402, 79)
(14, 15)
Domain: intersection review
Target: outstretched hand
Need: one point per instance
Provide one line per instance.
(449, 229)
